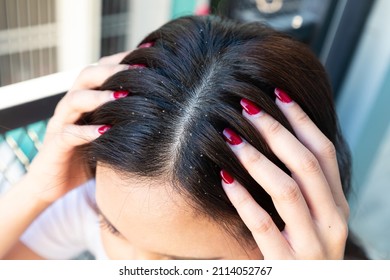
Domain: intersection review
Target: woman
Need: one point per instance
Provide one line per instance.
(212, 140)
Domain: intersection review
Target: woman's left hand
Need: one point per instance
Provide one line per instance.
(311, 201)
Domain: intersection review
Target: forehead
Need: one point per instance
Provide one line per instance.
(155, 217)
(134, 196)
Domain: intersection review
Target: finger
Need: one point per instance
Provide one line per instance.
(284, 191)
(76, 135)
(270, 240)
(94, 76)
(322, 148)
(303, 165)
(77, 102)
(113, 59)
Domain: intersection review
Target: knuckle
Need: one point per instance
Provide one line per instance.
(262, 226)
(53, 125)
(104, 60)
(289, 191)
(274, 127)
(328, 150)
(302, 118)
(71, 99)
(243, 201)
(253, 158)
(72, 135)
(335, 235)
(343, 232)
(340, 230)
(86, 72)
(346, 209)
(89, 77)
(87, 69)
(310, 164)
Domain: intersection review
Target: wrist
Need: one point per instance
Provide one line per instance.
(19, 207)
(29, 192)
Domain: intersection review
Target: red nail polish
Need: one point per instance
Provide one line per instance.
(231, 137)
(120, 94)
(282, 95)
(103, 129)
(249, 107)
(202, 10)
(226, 177)
(146, 45)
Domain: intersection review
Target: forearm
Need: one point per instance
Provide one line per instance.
(18, 208)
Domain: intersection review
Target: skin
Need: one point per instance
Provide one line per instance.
(156, 223)
(311, 201)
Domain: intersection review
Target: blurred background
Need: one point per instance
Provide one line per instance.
(45, 43)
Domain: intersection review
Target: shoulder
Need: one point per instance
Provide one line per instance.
(63, 230)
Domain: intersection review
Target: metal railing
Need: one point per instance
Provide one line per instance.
(24, 110)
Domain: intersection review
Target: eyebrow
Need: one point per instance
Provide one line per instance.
(157, 253)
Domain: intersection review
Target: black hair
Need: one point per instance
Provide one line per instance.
(197, 71)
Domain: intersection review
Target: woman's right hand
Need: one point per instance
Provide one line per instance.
(56, 169)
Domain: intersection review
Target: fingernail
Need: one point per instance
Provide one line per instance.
(282, 95)
(146, 45)
(120, 94)
(249, 107)
(226, 177)
(136, 66)
(231, 137)
(103, 129)
(202, 10)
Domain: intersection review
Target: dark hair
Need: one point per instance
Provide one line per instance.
(199, 68)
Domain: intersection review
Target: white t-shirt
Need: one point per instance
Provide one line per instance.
(68, 227)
